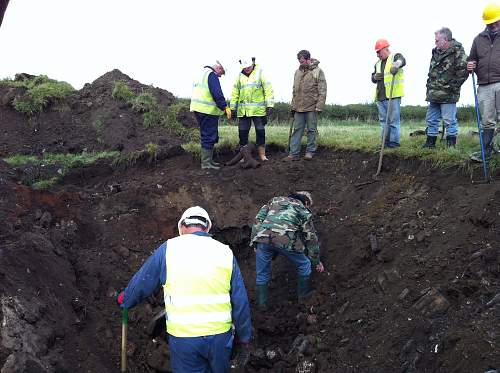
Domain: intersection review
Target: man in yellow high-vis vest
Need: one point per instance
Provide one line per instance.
(389, 68)
(208, 104)
(204, 297)
(252, 100)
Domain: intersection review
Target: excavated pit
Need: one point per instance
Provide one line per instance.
(412, 265)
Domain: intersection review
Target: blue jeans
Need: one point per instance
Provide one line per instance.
(393, 134)
(264, 256)
(300, 121)
(209, 129)
(446, 112)
(209, 354)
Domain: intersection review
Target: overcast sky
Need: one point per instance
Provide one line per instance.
(167, 43)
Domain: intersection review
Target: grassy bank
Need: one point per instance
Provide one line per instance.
(354, 135)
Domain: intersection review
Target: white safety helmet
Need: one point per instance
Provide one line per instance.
(307, 195)
(195, 215)
(246, 62)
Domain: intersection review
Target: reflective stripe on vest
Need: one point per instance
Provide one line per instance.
(201, 98)
(197, 288)
(252, 94)
(398, 90)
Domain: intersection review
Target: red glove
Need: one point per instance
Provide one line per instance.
(120, 298)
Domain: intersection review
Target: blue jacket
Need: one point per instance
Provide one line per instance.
(153, 274)
(216, 90)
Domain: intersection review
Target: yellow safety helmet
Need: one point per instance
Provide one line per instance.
(491, 13)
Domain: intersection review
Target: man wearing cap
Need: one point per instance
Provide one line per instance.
(284, 226)
(252, 100)
(308, 100)
(484, 60)
(388, 69)
(204, 296)
(208, 104)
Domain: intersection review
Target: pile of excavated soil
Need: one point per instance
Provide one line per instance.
(412, 261)
(90, 120)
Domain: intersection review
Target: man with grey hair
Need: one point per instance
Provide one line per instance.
(447, 73)
(208, 104)
(484, 60)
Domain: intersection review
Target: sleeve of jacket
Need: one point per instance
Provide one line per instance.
(261, 216)
(235, 95)
(461, 72)
(473, 52)
(311, 241)
(294, 91)
(320, 105)
(216, 91)
(268, 90)
(149, 278)
(240, 306)
(373, 74)
(399, 56)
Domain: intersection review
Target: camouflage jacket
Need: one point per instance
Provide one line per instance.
(447, 73)
(286, 223)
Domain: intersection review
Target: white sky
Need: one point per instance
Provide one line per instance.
(167, 43)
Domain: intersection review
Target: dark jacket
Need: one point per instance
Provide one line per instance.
(486, 53)
(447, 73)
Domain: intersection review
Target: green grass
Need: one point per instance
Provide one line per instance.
(121, 91)
(40, 176)
(354, 135)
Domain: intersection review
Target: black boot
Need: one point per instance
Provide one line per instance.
(451, 141)
(430, 143)
(488, 135)
(261, 296)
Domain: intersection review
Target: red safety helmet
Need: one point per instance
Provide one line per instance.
(381, 44)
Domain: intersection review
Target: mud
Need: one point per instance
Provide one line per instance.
(412, 262)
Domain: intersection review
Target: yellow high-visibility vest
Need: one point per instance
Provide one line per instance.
(252, 94)
(201, 98)
(197, 287)
(398, 90)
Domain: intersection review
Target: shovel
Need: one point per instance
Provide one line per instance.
(124, 340)
(386, 129)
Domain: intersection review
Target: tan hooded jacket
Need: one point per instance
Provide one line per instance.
(309, 88)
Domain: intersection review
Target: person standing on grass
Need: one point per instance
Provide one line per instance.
(447, 73)
(208, 104)
(252, 100)
(389, 68)
(484, 60)
(308, 100)
(206, 303)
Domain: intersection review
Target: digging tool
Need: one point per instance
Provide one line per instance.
(386, 129)
(290, 133)
(124, 339)
(479, 128)
(442, 133)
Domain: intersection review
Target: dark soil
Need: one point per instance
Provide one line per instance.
(412, 261)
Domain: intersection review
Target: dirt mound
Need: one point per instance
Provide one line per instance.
(90, 120)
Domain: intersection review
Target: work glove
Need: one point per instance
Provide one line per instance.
(120, 298)
(269, 111)
(228, 112)
(378, 77)
(241, 355)
(395, 67)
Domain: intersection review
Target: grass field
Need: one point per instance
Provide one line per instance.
(366, 137)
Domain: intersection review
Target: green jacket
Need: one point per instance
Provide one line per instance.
(309, 88)
(286, 223)
(447, 73)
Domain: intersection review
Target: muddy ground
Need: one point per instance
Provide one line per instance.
(412, 261)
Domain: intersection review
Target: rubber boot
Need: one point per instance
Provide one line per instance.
(451, 141)
(488, 135)
(216, 164)
(261, 296)
(303, 287)
(206, 159)
(261, 150)
(430, 143)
